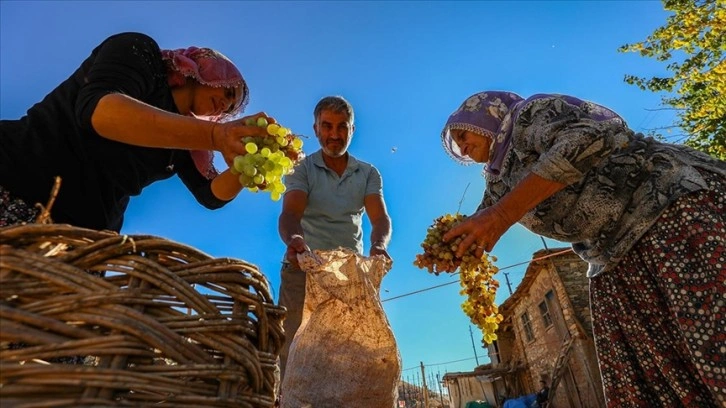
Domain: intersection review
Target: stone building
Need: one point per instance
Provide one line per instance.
(465, 387)
(547, 334)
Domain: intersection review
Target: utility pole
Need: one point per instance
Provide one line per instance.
(441, 393)
(408, 389)
(509, 285)
(425, 390)
(473, 346)
(432, 377)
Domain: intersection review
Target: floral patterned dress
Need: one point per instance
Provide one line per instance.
(649, 218)
(14, 210)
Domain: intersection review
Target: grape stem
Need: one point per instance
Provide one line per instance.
(458, 210)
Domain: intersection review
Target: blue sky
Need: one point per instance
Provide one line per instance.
(404, 66)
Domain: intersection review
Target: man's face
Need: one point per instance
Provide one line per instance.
(334, 132)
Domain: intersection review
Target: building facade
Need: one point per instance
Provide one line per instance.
(466, 387)
(547, 334)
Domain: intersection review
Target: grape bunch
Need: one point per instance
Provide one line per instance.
(476, 274)
(480, 289)
(440, 256)
(268, 159)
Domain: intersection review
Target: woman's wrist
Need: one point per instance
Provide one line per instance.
(213, 144)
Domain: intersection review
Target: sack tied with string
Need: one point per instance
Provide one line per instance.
(344, 353)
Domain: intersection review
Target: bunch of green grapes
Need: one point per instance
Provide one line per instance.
(480, 288)
(476, 273)
(268, 159)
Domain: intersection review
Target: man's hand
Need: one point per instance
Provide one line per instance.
(295, 245)
(379, 249)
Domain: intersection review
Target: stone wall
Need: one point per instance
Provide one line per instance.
(572, 272)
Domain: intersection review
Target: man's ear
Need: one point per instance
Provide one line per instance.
(352, 129)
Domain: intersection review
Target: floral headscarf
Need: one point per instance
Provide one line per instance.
(493, 113)
(206, 66)
(211, 68)
(488, 114)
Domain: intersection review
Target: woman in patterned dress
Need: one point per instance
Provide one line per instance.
(647, 216)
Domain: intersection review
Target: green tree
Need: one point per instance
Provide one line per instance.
(693, 44)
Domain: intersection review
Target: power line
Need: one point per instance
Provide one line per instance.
(438, 364)
(456, 273)
(420, 290)
(546, 343)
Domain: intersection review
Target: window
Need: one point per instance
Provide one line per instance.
(545, 312)
(494, 352)
(527, 325)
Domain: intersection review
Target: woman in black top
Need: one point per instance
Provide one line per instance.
(130, 115)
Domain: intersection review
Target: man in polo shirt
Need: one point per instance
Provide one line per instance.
(323, 206)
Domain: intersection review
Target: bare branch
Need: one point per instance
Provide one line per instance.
(663, 128)
(44, 216)
(663, 109)
(679, 137)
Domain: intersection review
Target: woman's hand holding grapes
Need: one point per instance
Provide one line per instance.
(483, 229)
(227, 137)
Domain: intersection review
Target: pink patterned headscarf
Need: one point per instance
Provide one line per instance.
(211, 68)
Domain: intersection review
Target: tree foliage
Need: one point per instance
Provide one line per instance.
(693, 44)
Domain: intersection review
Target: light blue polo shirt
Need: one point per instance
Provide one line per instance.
(333, 216)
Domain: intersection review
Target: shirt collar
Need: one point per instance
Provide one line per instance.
(317, 158)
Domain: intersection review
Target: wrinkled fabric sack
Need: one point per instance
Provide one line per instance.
(344, 353)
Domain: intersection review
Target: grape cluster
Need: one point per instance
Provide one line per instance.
(440, 256)
(476, 274)
(480, 289)
(268, 159)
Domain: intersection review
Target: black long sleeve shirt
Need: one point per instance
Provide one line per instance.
(99, 175)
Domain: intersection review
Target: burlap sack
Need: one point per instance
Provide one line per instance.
(344, 353)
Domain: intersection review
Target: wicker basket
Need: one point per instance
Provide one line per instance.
(157, 323)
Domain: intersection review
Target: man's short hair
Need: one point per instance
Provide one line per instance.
(335, 104)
